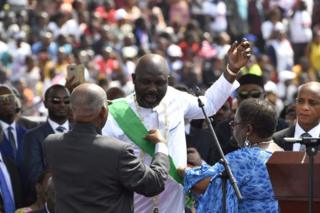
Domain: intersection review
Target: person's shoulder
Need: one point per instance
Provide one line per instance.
(284, 132)
(110, 143)
(54, 138)
(37, 129)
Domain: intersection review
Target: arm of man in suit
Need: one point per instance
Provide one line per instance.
(33, 158)
(140, 178)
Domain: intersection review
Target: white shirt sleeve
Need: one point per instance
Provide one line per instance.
(161, 147)
(215, 96)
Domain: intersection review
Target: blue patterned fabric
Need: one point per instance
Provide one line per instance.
(248, 166)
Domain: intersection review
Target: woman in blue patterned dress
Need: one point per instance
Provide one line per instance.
(253, 126)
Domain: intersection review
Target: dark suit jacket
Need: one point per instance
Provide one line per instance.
(33, 151)
(27, 123)
(6, 148)
(15, 182)
(94, 173)
(279, 136)
(33, 156)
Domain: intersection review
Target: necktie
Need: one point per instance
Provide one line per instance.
(11, 139)
(8, 202)
(304, 135)
(60, 129)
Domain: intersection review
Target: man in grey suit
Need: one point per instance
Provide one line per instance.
(94, 173)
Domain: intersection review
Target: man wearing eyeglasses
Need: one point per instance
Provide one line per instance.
(57, 102)
(308, 117)
(251, 86)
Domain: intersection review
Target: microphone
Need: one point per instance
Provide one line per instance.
(197, 91)
(292, 140)
(301, 140)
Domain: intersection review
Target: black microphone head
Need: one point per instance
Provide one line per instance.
(197, 91)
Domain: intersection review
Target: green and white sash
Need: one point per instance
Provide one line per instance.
(135, 130)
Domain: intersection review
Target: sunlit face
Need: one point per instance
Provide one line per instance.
(308, 107)
(7, 105)
(58, 104)
(150, 88)
(249, 91)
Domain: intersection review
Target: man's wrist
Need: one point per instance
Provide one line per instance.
(229, 73)
(161, 147)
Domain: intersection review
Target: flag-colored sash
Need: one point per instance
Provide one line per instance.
(132, 126)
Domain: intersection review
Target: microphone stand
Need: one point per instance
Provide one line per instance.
(311, 150)
(227, 174)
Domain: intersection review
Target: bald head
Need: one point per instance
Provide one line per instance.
(150, 80)
(153, 64)
(87, 100)
(312, 86)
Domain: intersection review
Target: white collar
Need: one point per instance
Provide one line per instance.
(314, 132)
(54, 125)
(5, 125)
(46, 207)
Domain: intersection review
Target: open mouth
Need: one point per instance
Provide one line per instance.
(150, 98)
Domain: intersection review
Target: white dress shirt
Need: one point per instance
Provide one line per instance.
(5, 126)
(170, 115)
(6, 176)
(55, 125)
(298, 131)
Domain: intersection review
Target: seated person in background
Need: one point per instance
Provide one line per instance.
(253, 126)
(40, 189)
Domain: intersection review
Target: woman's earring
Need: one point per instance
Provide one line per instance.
(247, 142)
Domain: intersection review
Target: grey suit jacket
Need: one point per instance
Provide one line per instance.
(94, 173)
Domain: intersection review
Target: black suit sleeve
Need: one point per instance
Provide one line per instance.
(138, 177)
(15, 182)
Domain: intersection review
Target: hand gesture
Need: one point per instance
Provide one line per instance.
(239, 55)
(155, 137)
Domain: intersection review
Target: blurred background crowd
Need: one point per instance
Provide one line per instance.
(38, 39)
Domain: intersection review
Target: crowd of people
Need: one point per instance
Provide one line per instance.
(150, 53)
(39, 39)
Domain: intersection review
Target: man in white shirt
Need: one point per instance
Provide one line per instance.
(160, 106)
(308, 117)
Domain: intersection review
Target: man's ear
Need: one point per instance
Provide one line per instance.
(103, 113)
